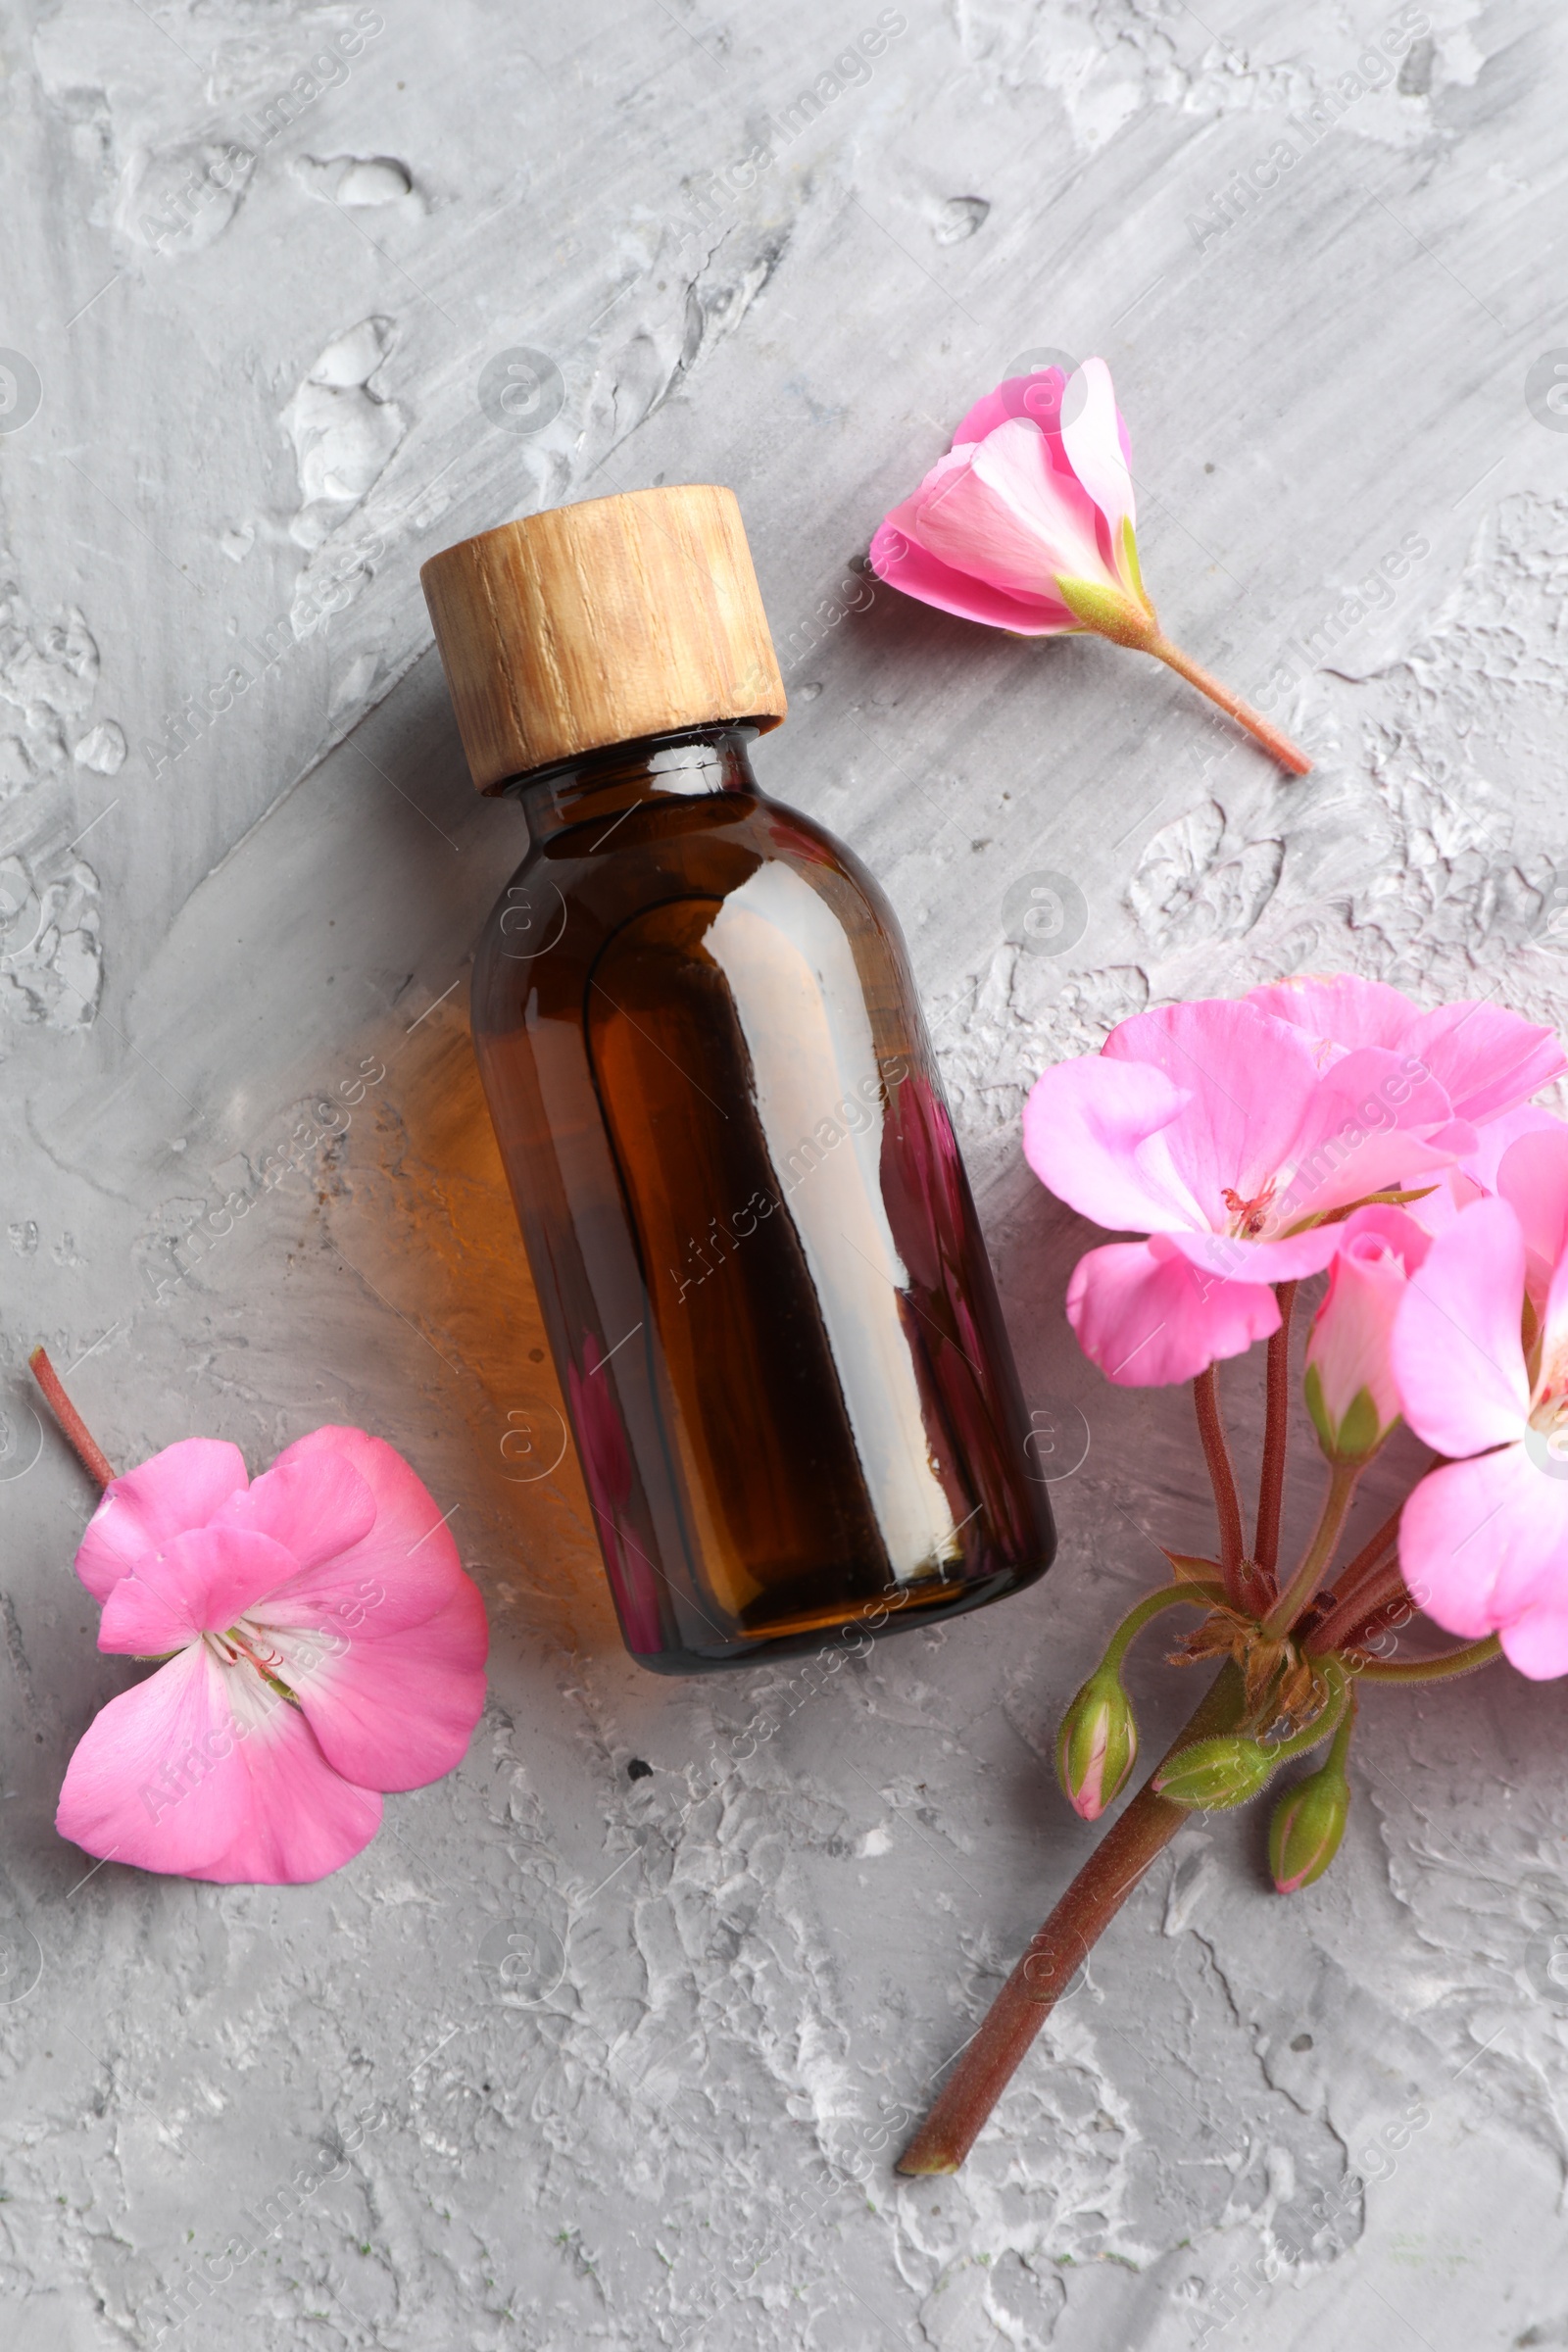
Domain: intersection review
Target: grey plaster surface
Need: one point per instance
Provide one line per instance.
(727, 1978)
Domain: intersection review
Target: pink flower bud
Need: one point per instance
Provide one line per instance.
(1033, 493)
(1350, 1379)
(1097, 1746)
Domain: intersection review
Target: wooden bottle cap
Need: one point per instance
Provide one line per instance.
(601, 623)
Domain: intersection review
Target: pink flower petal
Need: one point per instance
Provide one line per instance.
(1485, 1548)
(1537, 1643)
(1552, 1379)
(1445, 1193)
(1497, 1137)
(1372, 1126)
(313, 1501)
(399, 1573)
(178, 1488)
(1486, 1059)
(296, 1819)
(1092, 437)
(1531, 1176)
(1286, 1260)
(1038, 396)
(199, 1583)
(1457, 1355)
(1449, 1191)
(147, 1781)
(1383, 1231)
(399, 1711)
(1086, 1126)
(161, 1780)
(1000, 513)
(907, 565)
(1147, 1316)
(1340, 1013)
(1015, 516)
(1253, 1082)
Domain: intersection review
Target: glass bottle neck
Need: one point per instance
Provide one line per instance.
(601, 786)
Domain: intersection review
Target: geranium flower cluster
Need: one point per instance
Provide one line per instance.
(1333, 1125)
(1316, 1127)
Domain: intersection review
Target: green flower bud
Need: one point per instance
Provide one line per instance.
(1096, 1745)
(1308, 1823)
(1214, 1774)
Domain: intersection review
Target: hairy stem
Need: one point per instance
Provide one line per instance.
(1335, 1760)
(1343, 1477)
(1059, 1948)
(1169, 1597)
(1267, 734)
(1370, 1555)
(1361, 1605)
(1444, 1668)
(1222, 1478)
(1368, 1584)
(1276, 1434)
(88, 1451)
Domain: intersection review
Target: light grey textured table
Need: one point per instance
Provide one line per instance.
(596, 2060)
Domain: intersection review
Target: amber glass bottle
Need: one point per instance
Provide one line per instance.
(755, 1246)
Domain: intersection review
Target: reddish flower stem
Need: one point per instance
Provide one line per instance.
(1370, 1553)
(1370, 1582)
(1222, 1478)
(1267, 734)
(1276, 1439)
(88, 1451)
(1382, 1606)
(1303, 1588)
(1059, 1948)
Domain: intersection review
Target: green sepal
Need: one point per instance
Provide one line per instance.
(1190, 1569)
(1312, 1389)
(1129, 549)
(1110, 611)
(1361, 1431)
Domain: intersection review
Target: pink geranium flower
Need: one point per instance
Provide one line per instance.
(1032, 505)
(1481, 1361)
(1228, 1136)
(1028, 524)
(322, 1645)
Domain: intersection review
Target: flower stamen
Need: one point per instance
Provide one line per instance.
(1252, 1214)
